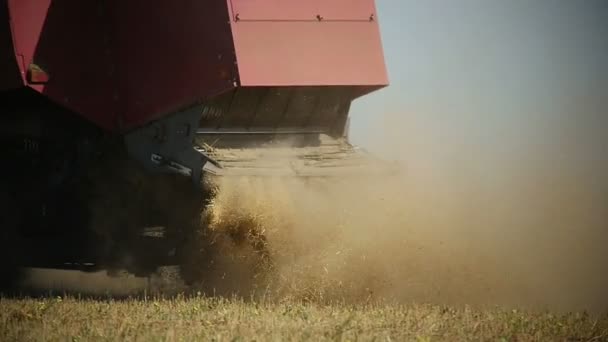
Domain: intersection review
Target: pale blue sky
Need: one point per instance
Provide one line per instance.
(498, 76)
(499, 111)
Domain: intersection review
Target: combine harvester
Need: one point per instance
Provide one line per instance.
(112, 113)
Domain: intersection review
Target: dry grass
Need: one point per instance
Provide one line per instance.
(350, 261)
(199, 318)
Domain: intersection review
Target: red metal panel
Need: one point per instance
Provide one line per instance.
(309, 53)
(27, 18)
(69, 41)
(284, 52)
(171, 54)
(302, 10)
(10, 75)
(121, 63)
(346, 9)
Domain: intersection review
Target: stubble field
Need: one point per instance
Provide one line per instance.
(363, 261)
(206, 319)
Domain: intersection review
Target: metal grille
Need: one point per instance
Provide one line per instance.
(277, 109)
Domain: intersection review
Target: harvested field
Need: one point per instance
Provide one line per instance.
(206, 319)
(494, 226)
(329, 260)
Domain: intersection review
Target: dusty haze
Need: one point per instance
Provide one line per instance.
(531, 196)
(498, 113)
(539, 243)
(454, 226)
(448, 228)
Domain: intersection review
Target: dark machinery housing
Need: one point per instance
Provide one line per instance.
(113, 113)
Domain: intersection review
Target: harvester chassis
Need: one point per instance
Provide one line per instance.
(78, 198)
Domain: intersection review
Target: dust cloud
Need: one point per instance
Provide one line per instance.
(351, 239)
(457, 225)
(528, 196)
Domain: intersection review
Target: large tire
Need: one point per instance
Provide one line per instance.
(125, 201)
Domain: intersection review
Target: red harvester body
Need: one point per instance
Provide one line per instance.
(122, 64)
(95, 92)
